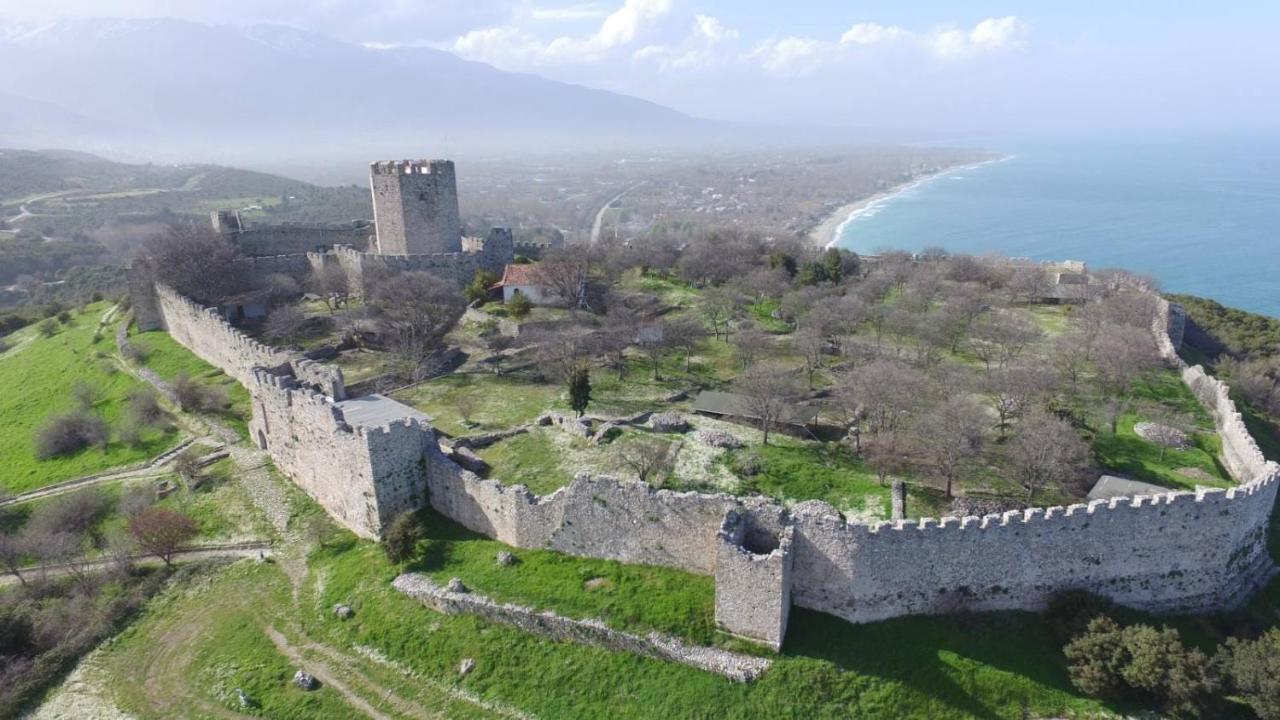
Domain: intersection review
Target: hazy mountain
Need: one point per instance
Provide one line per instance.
(165, 87)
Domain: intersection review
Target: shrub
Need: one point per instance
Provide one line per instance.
(48, 327)
(64, 317)
(4, 346)
(1252, 668)
(70, 433)
(400, 542)
(1096, 657)
(1107, 660)
(74, 513)
(195, 397)
(519, 306)
(134, 353)
(85, 394)
(17, 636)
(145, 410)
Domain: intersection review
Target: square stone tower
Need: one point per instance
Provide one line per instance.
(415, 207)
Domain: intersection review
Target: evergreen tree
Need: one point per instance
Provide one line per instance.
(579, 389)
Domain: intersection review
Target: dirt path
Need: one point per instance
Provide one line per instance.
(202, 552)
(153, 468)
(325, 675)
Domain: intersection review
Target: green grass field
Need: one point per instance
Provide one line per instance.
(39, 375)
(169, 359)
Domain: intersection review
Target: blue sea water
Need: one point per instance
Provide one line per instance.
(1202, 217)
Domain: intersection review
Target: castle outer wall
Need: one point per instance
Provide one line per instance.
(1177, 551)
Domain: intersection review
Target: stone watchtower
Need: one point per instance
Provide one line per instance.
(415, 207)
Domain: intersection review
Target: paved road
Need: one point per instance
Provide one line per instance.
(595, 227)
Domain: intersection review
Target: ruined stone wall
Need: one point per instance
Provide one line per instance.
(363, 477)
(204, 332)
(753, 581)
(491, 254)
(591, 517)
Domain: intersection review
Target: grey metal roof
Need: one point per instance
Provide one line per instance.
(376, 410)
(1109, 486)
(736, 405)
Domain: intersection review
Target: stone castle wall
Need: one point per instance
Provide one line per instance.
(1176, 551)
(363, 477)
(204, 332)
(593, 517)
(362, 269)
(297, 240)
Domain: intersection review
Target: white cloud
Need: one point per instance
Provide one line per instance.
(699, 49)
(796, 56)
(990, 35)
(793, 56)
(872, 34)
(585, 11)
(509, 46)
(712, 29)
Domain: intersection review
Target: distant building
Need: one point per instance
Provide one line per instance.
(524, 280)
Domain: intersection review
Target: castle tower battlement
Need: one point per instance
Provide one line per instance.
(415, 207)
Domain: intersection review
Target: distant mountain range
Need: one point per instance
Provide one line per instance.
(163, 88)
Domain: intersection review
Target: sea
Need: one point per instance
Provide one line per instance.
(1201, 216)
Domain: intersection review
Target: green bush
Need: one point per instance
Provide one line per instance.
(400, 542)
(1108, 660)
(519, 306)
(1252, 668)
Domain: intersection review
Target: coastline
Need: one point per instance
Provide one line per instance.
(828, 232)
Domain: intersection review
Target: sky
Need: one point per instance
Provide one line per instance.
(902, 66)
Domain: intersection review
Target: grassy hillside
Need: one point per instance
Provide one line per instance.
(39, 375)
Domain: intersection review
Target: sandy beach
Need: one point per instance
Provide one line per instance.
(828, 231)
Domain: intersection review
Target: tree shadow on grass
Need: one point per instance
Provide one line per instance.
(911, 651)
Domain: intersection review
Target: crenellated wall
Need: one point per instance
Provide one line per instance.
(1176, 551)
(362, 476)
(204, 332)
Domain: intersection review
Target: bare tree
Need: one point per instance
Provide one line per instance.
(281, 289)
(887, 392)
(1124, 354)
(649, 458)
(949, 436)
(162, 532)
(886, 453)
(566, 272)
(415, 311)
(1045, 450)
(1002, 337)
(750, 342)
(329, 283)
(13, 554)
(718, 307)
(283, 324)
(497, 344)
(194, 260)
(1013, 390)
(812, 345)
(1071, 354)
(768, 391)
(685, 334)
(652, 339)
(1030, 283)
(563, 349)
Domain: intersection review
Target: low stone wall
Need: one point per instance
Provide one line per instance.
(740, 668)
